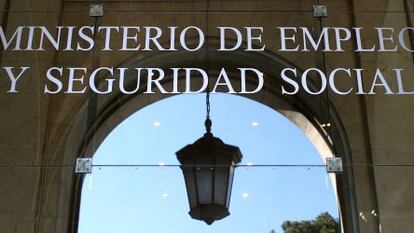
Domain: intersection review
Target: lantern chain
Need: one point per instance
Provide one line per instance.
(208, 104)
(208, 122)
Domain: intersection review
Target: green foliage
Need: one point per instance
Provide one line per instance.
(324, 223)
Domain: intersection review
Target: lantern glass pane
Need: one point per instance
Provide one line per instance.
(221, 180)
(205, 185)
(191, 186)
(230, 184)
(204, 176)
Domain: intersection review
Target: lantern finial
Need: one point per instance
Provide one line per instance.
(208, 124)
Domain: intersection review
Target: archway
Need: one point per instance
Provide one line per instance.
(137, 185)
(307, 112)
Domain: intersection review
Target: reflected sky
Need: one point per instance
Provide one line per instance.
(154, 199)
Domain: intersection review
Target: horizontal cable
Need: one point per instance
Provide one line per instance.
(206, 165)
(210, 165)
(162, 1)
(210, 11)
(166, 11)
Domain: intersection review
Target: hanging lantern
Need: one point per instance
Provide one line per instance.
(208, 169)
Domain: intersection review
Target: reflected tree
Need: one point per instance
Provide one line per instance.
(324, 223)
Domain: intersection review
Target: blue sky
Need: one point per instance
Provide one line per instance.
(154, 200)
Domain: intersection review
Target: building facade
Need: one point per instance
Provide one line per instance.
(43, 133)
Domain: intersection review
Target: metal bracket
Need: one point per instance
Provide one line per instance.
(334, 165)
(96, 10)
(83, 165)
(320, 11)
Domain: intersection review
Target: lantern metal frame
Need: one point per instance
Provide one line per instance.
(208, 167)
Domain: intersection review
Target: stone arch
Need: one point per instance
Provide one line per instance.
(306, 111)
